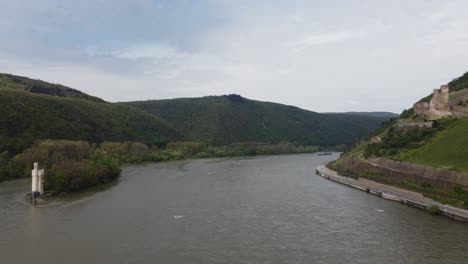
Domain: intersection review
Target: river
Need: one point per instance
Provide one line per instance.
(271, 209)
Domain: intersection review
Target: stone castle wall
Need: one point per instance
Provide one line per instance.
(438, 107)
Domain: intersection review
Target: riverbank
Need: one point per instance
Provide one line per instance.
(72, 166)
(392, 193)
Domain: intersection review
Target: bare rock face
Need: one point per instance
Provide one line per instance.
(438, 107)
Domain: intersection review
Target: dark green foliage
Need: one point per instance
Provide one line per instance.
(222, 120)
(4, 158)
(425, 99)
(384, 115)
(407, 113)
(433, 209)
(187, 150)
(459, 189)
(234, 98)
(399, 139)
(74, 165)
(459, 83)
(69, 165)
(427, 185)
(383, 126)
(27, 117)
(126, 152)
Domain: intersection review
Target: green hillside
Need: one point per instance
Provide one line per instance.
(459, 83)
(41, 87)
(72, 115)
(232, 118)
(448, 149)
(443, 145)
(446, 146)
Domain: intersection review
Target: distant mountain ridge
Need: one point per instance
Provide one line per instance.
(373, 114)
(34, 109)
(233, 118)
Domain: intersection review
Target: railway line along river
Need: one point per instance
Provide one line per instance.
(271, 209)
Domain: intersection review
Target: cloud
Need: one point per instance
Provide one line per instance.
(318, 39)
(316, 55)
(149, 51)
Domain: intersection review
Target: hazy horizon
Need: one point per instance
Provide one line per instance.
(337, 56)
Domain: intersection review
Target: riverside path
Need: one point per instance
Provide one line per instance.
(450, 211)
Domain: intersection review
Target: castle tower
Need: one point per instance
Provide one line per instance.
(444, 98)
(438, 107)
(440, 99)
(37, 185)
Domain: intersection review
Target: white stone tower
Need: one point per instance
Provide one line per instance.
(37, 180)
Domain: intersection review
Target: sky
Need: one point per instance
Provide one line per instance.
(324, 56)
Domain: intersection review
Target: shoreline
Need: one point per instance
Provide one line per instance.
(53, 196)
(393, 194)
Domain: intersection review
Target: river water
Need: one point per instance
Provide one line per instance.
(241, 210)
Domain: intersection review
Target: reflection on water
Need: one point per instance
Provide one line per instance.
(241, 210)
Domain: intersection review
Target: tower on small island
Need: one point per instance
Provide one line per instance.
(37, 185)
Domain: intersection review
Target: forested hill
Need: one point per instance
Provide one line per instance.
(32, 110)
(375, 114)
(232, 118)
(41, 87)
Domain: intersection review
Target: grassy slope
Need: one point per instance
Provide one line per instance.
(459, 83)
(27, 117)
(227, 119)
(448, 149)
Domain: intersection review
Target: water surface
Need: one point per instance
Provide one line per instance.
(243, 210)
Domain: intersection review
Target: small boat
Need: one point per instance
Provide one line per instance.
(325, 154)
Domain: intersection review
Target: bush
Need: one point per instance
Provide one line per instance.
(434, 210)
(69, 165)
(186, 148)
(427, 186)
(407, 113)
(202, 155)
(459, 189)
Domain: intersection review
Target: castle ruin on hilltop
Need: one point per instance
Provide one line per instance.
(438, 107)
(443, 104)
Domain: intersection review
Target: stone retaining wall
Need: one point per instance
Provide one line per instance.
(437, 177)
(391, 188)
